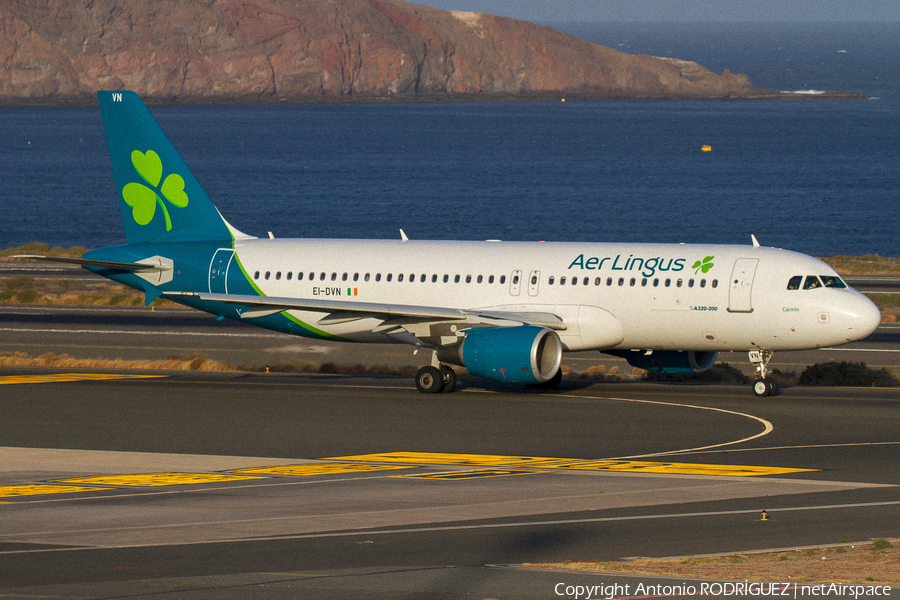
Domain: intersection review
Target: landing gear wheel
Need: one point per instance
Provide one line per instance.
(449, 379)
(429, 380)
(761, 387)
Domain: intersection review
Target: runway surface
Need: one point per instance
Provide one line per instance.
(234, 485)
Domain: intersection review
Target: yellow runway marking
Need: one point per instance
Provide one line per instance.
(627, 466)
(476, 474)
(10, 491)
(323, 469)
(157, 479)
(66, 377)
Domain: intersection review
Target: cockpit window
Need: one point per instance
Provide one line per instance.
(833, 282)
(795, 281)
(812, 282)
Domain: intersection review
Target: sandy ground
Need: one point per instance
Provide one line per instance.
(858, 563)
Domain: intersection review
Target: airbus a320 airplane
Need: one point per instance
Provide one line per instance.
(505, 311)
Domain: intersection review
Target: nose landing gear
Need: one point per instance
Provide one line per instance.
(762, 386)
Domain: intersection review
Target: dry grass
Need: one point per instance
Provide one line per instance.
(870, 264)
(861, 563)
(172, 363)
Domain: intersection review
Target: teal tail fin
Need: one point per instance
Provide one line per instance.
(161, 201)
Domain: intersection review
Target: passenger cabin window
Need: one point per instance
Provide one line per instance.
(812, 282)
(256, 275)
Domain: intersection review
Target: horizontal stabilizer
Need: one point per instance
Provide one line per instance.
(105, 264)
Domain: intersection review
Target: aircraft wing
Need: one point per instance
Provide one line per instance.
(343, 311)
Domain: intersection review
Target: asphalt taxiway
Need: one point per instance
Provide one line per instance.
(235, 485)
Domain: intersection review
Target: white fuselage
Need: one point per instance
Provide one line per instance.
(610, 296)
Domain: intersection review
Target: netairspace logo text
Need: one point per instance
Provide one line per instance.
(737, 589)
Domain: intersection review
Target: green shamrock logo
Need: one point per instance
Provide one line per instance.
(144, 199)
(703, 265)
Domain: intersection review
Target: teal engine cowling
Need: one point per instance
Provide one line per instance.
(673, 362)
(521, 354)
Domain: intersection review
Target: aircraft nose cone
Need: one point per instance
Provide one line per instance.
(865, 317)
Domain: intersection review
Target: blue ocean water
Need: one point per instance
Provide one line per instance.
(814, 176)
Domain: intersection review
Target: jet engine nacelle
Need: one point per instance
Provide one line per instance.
(522, 354)
(670, 361)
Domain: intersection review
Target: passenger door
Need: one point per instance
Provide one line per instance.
(218, 271)
(740, 292)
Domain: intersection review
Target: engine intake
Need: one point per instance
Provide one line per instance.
(674, 362)
(522, 354)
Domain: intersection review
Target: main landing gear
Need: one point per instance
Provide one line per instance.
(762, 386)
(434, 380)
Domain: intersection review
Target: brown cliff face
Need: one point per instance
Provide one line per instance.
(272, 50)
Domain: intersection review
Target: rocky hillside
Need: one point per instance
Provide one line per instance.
(300, 50)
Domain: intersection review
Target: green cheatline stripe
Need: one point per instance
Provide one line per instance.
(287, 315)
